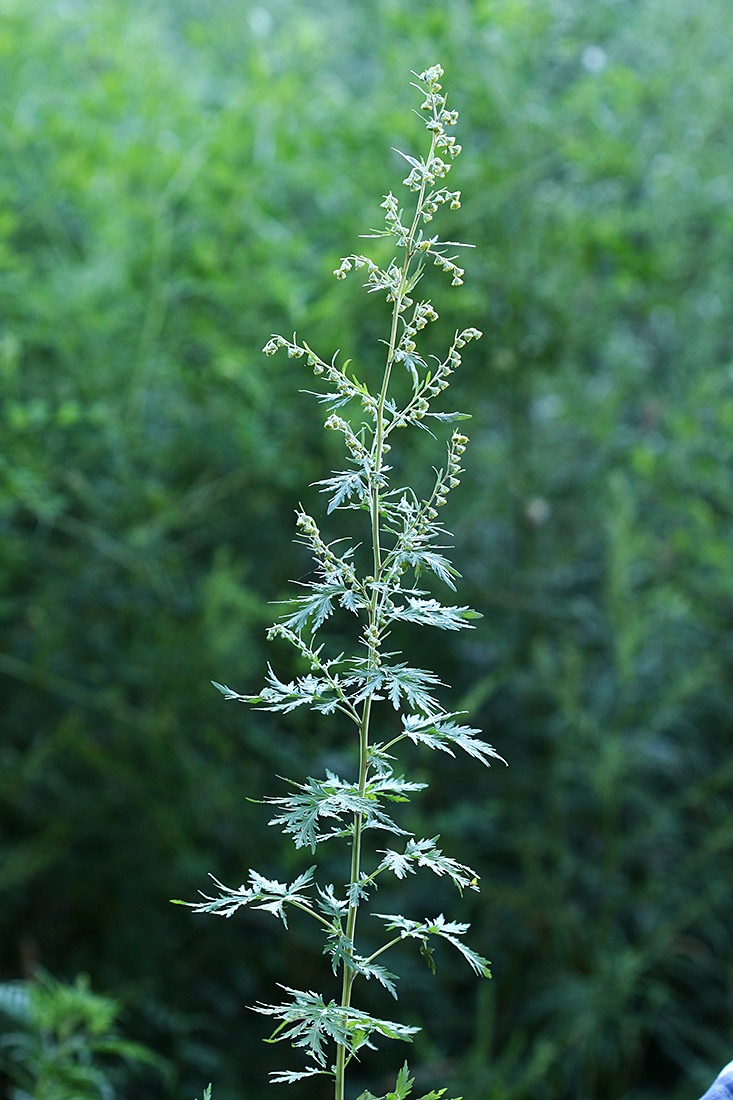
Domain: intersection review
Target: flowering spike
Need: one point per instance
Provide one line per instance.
(367, 683)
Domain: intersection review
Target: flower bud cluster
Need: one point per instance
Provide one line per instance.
(281, 631)
(310, 529)
(436, 166)
(417, 176)
(435, 198)
(445, 141)
(462, 338)
(433, 100)
(423, 314)
(448, 478)
(405, 351)
(389, 280)
(424, 244)
(357, 449)
(276, 342)
(356, 262)
(453, 359)
(373, 639)
(423, 173)
(449, 267)
(392, 217)
(439, 383)
(346, 388)
(330, 562)
(458, 442)
(435, 384)
(295, 351)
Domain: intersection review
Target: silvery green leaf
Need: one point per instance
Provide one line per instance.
(308, 1022)
(318, 603)
(351, 601)
(341, 950)
(344, 485)
(331, 797)
(373, 970)
(447, 930)
(419, 558)
(272, 894)
(333, 400)
(397, 681)
(410, 160)
(261, 893)
(329, 904)
(411, 362)
(395, 788)
(380, 760)
(433, 613)
(424, 853)
(403, 1089)
(357, 891)
(438, 564)
(289, 1077)
(397, 862)
(440, 732)
(362, 1026)
(277, 695)
(229, 693)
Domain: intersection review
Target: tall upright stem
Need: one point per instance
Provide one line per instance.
(373, 656)
(348, 973)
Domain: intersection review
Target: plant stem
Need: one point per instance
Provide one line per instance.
(348, 975)
(374, 614)
(380, 951)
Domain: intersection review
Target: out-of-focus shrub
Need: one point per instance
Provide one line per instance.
(60, 1042)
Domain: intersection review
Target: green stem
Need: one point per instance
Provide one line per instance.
(349, 974)
(312, 913)
(393, 742)
(374, 615)
(381, 950)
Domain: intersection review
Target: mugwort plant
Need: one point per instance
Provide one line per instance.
(407, 542)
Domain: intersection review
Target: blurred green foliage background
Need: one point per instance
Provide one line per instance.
(177, 180)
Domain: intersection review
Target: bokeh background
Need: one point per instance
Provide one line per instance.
(177, 180)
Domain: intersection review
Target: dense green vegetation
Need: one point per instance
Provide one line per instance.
(177, 180)
(59, 1041)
